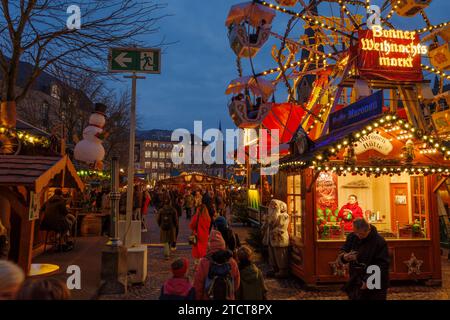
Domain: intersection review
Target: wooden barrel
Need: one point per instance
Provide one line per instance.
(91, 225)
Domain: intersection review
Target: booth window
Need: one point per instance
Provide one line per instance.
(419, 201)
(295, 204)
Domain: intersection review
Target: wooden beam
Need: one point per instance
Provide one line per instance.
(439, 184)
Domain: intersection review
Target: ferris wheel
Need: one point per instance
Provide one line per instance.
(320, 70)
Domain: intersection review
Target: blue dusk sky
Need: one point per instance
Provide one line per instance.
(198, 67)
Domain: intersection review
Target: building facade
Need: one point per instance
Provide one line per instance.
(154, 156)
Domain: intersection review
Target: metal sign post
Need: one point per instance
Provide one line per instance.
(133, 60)
(130, 185)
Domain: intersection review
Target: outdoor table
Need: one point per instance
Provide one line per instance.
(42, 269)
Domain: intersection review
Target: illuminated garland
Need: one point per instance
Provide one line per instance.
(292, 65)
(347, 12)
(24, 136)
(392, 10)
(302, 16)
(319, 116)
(361, 170)
(431, 28)
(435, 71)
(389, 119)
(94, 173)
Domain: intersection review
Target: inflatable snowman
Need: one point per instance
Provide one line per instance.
(90, 149)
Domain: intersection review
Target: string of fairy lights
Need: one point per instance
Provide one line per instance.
(393, 123)
(319, 116)
(431, 27)
(24, 136)
(292, 65)
(435, 71)
(94, 174)
(304, 17)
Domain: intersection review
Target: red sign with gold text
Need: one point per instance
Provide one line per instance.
(390, 54)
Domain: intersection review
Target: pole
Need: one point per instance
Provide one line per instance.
(130, 184)
(114, 197)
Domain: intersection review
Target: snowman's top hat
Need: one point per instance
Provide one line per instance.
(100, 108)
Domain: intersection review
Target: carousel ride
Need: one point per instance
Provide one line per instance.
(322, 65)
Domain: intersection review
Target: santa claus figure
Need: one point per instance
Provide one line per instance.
(276, 237)
(90, 149)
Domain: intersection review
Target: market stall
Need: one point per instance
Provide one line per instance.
(392, 173)
(193, 180)
(26, 182)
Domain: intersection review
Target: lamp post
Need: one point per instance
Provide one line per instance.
(114, 197)
(114, 255)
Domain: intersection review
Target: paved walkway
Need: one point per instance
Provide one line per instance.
(287, 289)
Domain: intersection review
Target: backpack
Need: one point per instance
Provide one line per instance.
(219, 283)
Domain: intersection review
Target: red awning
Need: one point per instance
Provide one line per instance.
(286, 117)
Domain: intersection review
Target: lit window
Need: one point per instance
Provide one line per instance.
(155, 154)
(148, 144)
(161, 165)
(155, 145)
(148, 154)
(147, 165)
(154, 165)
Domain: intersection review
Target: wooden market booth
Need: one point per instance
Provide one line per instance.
(26, 182)
(395, 173)
(193, 180)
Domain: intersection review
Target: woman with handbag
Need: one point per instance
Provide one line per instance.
(200, 232)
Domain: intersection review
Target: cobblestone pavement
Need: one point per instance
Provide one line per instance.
(286, 289)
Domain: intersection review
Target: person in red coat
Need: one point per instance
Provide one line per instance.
(350, 212)
(200, 226)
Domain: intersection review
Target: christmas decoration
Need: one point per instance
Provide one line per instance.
(90, 149)
(413, 264)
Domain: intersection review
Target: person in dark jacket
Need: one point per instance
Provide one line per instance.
(252, 280)
(231, 239)
(363, 248)
(56, 217)
(178, 287)
(167, 220)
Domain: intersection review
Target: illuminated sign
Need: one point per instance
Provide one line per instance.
(390, 54)
(374, 141)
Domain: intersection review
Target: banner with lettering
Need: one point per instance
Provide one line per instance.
(390, 54)
(363, 109)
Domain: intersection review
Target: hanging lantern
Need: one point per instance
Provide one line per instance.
(440, 57)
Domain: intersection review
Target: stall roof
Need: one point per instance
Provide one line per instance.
(37, 171)
(196, 178)
(330, 138)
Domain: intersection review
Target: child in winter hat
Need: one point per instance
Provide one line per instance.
(178, 287)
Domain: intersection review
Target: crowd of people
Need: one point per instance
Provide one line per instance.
(223, 269)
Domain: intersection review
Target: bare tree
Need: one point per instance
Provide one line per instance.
(35, 31)
(117, 126)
